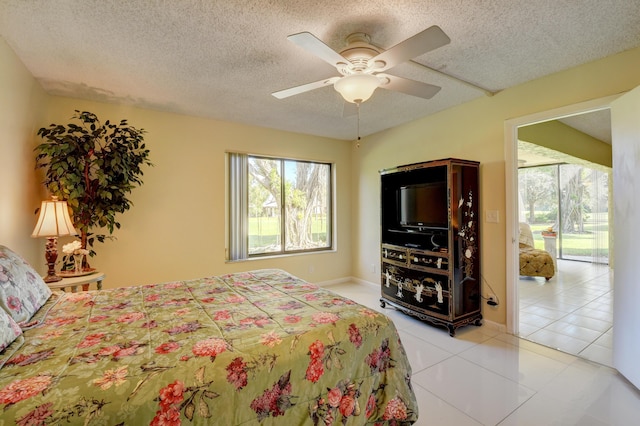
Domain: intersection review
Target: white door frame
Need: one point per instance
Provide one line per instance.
(511, 189)
(626, 317)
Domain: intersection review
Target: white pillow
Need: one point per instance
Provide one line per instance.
(22, 290)
(526, 236)
(9, 330)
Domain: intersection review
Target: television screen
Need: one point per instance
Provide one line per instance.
(423, 205)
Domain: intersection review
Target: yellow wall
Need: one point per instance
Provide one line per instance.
(175, 230)
(22, 101)
(176, 227)
(473, 131)
(560, 137)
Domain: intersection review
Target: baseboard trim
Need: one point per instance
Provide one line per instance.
(332, 282)
(346, 280)
(502, 328)
(361, 281)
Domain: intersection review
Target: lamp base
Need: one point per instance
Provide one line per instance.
(52, 279)
(51, 255)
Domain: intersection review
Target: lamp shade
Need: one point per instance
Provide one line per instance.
(54, 220)
(357, 88)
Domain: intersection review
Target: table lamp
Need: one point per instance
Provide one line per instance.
(53, 222)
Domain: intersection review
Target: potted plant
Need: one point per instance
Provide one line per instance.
(93, 166)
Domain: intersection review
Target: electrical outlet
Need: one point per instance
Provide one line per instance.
(373, 268)
(491, 301)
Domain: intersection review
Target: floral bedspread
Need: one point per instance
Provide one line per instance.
(260, 347)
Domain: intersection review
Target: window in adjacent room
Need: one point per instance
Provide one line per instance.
(573, 200)
(278, 206)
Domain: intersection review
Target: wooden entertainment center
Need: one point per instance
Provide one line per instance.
(430, 257)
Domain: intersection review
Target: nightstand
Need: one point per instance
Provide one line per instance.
(84, 281)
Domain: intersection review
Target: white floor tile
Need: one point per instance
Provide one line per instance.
(595, 313)
(586, 322)
(605, 306)
(465, 337)
(572, 330)
(616, 402)
(558, 341)
(605, 340)
(435, 411)
(584, 293)
(581, 383)
(479, 393)
(526, 329)
(420, 353)
(484, 377)
(597, 353)
(517, 364)
(535, 320)
(559, 305)
(542, 410)
(546, 351)
(544, 311)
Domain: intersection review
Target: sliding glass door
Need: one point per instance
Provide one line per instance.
(584, 214)
(573, 201)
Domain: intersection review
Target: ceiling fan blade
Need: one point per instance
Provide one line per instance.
(421, 43)
(281, 94)
(314, 45)
(409, 87)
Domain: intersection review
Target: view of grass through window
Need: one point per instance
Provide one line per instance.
(573, 201)
(289, 206)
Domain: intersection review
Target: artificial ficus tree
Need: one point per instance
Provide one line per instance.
(93, 166)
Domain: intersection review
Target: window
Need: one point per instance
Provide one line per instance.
(573, 200)
(278, 206)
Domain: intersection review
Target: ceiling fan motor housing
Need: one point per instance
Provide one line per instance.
(358, 51)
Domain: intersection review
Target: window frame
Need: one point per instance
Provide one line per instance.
(234, 232)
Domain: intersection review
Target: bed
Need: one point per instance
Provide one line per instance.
(260, 347)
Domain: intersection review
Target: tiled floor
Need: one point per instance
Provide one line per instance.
(485, 377)
(572, 312)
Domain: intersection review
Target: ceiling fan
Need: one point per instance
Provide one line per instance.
(362, 65)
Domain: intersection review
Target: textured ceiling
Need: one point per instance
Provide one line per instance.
(223, 59)
(596, 124)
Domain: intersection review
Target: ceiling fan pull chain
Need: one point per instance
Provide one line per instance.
(358, 126)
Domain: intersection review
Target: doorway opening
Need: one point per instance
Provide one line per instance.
(565, 202)
(573, 311)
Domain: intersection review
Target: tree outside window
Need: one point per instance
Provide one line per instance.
(572, 200)
(289, 201)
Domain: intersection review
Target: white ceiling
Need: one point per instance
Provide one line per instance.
(596, 124)
(223, 59)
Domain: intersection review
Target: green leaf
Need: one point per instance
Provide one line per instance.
(93, 166)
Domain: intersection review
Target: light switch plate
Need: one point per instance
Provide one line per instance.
(492, 216)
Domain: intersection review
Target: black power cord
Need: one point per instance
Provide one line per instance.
(491, 300)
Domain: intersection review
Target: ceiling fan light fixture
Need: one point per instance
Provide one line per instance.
(357, 88)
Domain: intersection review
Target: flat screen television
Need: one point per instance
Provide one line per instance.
(423, 205)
